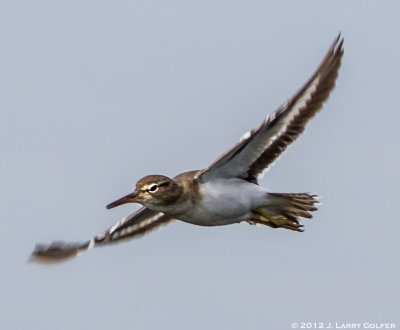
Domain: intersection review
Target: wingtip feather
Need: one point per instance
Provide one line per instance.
(58, 252)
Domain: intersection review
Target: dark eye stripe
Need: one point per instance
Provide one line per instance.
(165, 183)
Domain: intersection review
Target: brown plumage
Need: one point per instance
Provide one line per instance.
(263, 145)
(209, 197)
(137, 224)
(327, 74)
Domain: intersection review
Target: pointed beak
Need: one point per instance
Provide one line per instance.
(130, 198)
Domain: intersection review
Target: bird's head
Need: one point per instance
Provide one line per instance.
(152, 191)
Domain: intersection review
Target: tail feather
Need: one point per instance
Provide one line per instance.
(295, 205)
(284, 210)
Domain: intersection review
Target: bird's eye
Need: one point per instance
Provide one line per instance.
(153, 188)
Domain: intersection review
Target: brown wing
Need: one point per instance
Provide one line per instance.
(135, 225)
(260, 147)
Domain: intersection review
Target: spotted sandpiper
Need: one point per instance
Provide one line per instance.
(227, 191)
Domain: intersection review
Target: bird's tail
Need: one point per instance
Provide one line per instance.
(284, 210)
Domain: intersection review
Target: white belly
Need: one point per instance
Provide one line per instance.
(225, 202)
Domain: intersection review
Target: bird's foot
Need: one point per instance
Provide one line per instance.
(275, 221)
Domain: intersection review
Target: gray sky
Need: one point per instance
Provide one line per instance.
(96, 94)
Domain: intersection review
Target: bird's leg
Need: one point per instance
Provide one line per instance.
(274, 221)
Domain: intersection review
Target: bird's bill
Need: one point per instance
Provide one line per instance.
(130, 198)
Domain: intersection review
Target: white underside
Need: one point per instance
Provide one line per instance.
(225, 201)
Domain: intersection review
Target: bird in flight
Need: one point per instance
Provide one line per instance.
(227, 191)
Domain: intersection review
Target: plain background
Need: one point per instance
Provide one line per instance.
(97, 94)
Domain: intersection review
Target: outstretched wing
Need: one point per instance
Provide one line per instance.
(139, 223)
(260, 147)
